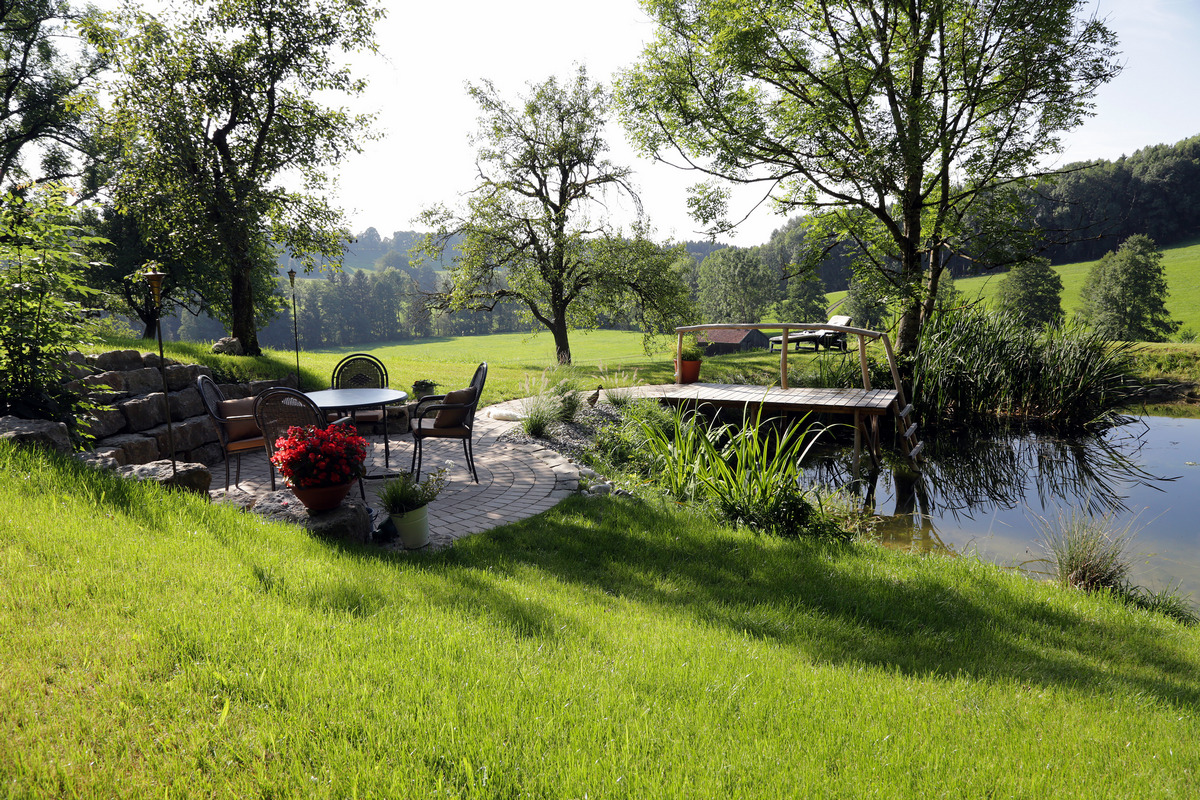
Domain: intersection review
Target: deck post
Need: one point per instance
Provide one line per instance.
(857, 441)
(862, 360)
(783, 359)
(679, 357)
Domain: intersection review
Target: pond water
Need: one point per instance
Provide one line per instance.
(983, 495)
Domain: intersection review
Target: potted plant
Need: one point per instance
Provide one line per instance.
(320, 464)
(687, 367)
(422, 387)
(405, 499)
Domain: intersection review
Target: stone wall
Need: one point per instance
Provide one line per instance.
(130, 425)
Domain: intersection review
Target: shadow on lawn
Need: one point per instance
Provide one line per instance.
(835, 603)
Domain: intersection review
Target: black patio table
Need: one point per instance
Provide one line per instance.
(354, 399)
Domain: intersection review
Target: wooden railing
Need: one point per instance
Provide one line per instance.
(788, 327)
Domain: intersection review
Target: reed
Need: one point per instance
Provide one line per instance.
(973, 366)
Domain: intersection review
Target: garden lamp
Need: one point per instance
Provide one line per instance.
(291, 273)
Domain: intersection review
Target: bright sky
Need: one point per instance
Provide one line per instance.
(428, 51)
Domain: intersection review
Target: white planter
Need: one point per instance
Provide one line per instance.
(413, 527)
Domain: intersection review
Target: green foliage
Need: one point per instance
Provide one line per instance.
(748, 474)
(865, 305)
(404, 493)
(691, 350)
(565, 394)
(1031, 294)
(805, 300)
(40, 304)
(529, 233)
(1125, 294)
(621, 445)
(735, 286)
(974, 365)
(877, 117)
(214, 105)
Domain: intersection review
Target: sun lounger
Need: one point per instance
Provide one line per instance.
(828, 338)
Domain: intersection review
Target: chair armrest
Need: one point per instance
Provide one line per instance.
(425, 402)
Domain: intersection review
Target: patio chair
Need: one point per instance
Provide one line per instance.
(365, 371)
(234, 419)
(279, 408)
(448, 416)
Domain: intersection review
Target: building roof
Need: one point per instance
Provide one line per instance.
(725, 336)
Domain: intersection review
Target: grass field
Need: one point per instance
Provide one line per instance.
(159, 646)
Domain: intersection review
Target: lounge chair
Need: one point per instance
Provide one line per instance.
(828, 338)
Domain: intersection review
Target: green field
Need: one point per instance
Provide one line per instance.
(156, 645)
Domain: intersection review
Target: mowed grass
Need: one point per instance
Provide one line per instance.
(157, 645)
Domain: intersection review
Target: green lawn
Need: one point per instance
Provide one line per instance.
(157, 646)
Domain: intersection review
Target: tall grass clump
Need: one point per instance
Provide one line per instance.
(620, 446)
(973, 365)
(1093, 554)
(748, 474)
(538, 409)
(620, 387)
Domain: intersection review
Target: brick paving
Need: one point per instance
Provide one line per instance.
(516, 481)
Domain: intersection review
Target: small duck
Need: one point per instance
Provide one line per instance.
(594, 396)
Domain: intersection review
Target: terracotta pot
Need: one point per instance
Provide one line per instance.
(688, 372)
(322, 498)
(413, 527)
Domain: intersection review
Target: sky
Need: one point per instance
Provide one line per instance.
(429, 51)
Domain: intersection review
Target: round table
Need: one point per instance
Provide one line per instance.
(355, 399)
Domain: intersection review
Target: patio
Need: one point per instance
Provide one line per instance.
(515, 481)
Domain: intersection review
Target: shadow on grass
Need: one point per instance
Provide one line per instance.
(836, 603)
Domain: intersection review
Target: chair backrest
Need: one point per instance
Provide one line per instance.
(218, 407)
(839, 321)
(477, 382)
(359, 371)
(280, 408)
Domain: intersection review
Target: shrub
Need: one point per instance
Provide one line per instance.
(404, 493)
(1085, 552)
(566, 399)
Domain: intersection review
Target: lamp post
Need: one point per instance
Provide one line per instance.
(155, 279)
(291, 273)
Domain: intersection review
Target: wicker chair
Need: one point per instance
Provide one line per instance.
(280, 408)
(448, 416)
(234, 419)
(364, 371)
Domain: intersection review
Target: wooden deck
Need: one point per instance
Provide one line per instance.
(875, 402)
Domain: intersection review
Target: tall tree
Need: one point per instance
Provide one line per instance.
(217, 104)
(535, 219)
(735, 286)
(1031, 293)
(46, 91)
(897, 119)
(805, 300)
(1125, 294)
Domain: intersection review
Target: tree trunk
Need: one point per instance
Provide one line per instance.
(242, 303)
(562, 347)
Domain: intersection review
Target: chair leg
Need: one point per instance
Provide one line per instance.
(272, 474)
(415, 468)
(470, 458)
(227, 473)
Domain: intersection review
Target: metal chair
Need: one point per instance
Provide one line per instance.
(364, 371)
(279, 408)
(448, 416)
(234, 419)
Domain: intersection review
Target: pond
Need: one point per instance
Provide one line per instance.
(983, 495)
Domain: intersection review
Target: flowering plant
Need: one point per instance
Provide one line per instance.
(309, 456)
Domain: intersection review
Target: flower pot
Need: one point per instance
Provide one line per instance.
(413, 527)
(322, 498)
(687, 371)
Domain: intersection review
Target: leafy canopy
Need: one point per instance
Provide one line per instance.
(1031, 293)
(902, 120)
(534, 230)
(1125, 294)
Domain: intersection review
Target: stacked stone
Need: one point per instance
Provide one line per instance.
(130, 425)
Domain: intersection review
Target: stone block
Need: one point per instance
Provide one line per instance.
(100, 461)
(234, 391)
(110, 379)
(186, 404)
(36, 433)
(143, 413)
(135, 448)
(119, 360)
(258, 387)
(229, 346)
(350, 522)
(181, 376)
(189, 434)
(114, 454)
(183, 475)
(143, 381)
(210, 454)
(102, 422)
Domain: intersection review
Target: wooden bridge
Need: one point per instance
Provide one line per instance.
(866, 405)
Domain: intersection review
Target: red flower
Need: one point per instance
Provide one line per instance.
(311, 456)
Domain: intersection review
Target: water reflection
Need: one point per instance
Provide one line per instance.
(977, 492)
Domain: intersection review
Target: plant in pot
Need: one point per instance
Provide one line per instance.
(320, 464)
(687, 367)
(423, 387)
(405, 499)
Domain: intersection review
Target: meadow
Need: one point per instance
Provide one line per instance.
(158, 645)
